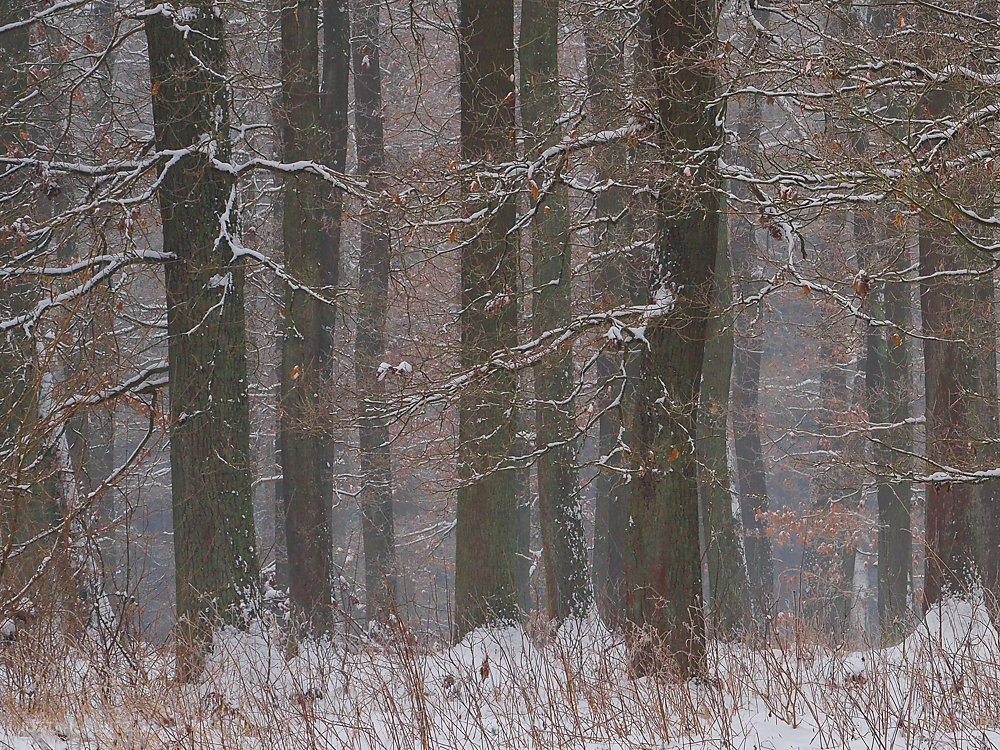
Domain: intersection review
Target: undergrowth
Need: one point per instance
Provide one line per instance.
(501, 688)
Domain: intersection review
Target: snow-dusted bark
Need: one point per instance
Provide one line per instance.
(377, 528)
(486, 567)
(215, 548)
(664, 561)
(564, 546)
(722, 534)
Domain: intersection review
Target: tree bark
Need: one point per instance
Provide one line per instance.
(486, 532)
(381, 573)
(215, 549)
(525, 502)
(564, 548)
(887, 386)
(664, 560)
(727, 573)
(953, 430)
(889, 392)
(615, 285)
(751, 472)
(303, 447)
(25, 510)
(334, 122)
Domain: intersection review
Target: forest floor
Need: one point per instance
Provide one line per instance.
(938, 688)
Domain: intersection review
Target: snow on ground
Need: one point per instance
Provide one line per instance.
(500, 688)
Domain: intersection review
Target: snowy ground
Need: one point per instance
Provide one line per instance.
(940, 688)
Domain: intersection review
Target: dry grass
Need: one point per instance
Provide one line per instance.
(499, 689)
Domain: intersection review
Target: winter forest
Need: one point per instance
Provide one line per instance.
(480, 374)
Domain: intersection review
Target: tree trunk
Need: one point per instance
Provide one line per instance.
(215, 549)
(486, 533)
(525, 501)
(369, 345)
(664, 560)
(889, 391)
(304, 449)
(887, 386)
(614, 286)
(564, 547)
(334, 122)
(989, 491)
(751, 472)
(727, 573)
(955, 320)
(950, 380)
(25, 510)
(829, 555)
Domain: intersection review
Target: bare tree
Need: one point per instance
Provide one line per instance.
(381, 574)
(664, 563)
(486, 534)
(215, 549)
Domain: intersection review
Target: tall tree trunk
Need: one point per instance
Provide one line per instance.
(24, 509)
(954, 431)
(334, 121)
(958, 319)
(989, 491)
(664, 560)
(215, 549)
(614, 286)
(369, 346)
(751, 472)
(304, 450)
(486, 533)
(829, 558)
(564, 546)
(98, 428)
(727, 573)
(889, 391)
(887, 388)
(525, 501)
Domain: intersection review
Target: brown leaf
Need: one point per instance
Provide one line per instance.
(484, 671)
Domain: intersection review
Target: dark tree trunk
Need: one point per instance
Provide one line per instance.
(564, 546)
(525, 501)
(956, 319)
(215, 549)
(664, 561)
(373, 289)
(887, 387)
(748, 345)
(989, 491)
(97, 430)
(486, 533)
(275, 55)
(304, 449)
(24, 509)
(727, 573)
(334, 122)
(750, 469)
(614, 286)
(829, 556)
(952, 428)
(889, 392)
(613, 492)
